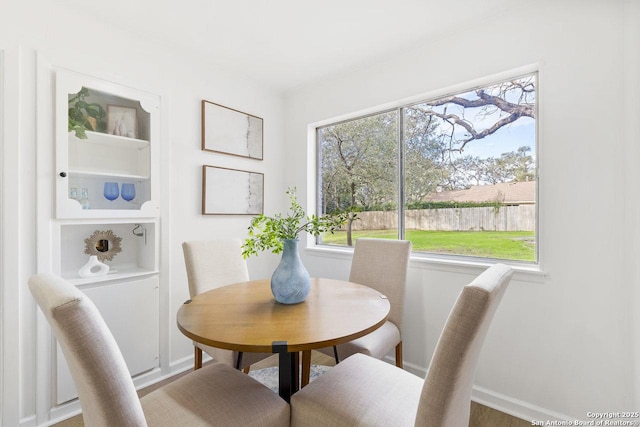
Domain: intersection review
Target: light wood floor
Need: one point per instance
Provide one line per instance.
(481, 416)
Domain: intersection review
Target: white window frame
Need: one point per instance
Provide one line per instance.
(444, 262)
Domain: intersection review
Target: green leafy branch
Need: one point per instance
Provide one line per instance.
(84, 116)
(268, 233)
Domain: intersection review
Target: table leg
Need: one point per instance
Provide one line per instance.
(306, 368)
(288, 370)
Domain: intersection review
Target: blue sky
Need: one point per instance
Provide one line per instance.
(509, 138)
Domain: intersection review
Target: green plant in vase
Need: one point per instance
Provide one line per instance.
(84, 116)
(290, 283)
(268, 233)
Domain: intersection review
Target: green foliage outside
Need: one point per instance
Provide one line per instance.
(512, 245)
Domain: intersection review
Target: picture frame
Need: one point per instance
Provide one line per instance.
(229, 131)
(231, 191)
(122, 121)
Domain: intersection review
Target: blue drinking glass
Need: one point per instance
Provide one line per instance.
(111, 190)
(128, 192)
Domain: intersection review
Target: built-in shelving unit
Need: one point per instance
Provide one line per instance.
(87, 161)
(106, 184)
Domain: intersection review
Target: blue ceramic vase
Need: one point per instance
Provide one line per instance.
(290, 283)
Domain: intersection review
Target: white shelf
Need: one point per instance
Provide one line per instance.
(111, 140)
(100, 174)
(119, 274)
(107, 155)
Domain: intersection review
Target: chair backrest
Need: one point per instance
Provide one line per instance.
(214, 263)
(105, 388)
(382, 264)
(446, 394)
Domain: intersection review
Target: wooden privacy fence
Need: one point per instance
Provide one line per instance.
(504, 218)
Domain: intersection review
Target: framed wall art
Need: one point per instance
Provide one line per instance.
(231, 191)
(122, 121)
(230, 131)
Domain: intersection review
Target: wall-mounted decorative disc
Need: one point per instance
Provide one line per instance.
(103, 244)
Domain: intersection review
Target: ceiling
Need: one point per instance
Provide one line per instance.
(287, 43)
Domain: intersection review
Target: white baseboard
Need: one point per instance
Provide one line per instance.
(177, 367)
(72, 408)
(500, 402)
(414, 369)
(62, 412)
(514, 407)
(28, 421)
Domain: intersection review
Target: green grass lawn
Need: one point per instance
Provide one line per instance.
(513, 245)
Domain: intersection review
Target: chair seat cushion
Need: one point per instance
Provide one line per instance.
(360, 391)
(377, 344)
(215, 395)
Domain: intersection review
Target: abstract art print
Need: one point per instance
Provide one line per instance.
(122, 121)
(231, 191)
(229, 131)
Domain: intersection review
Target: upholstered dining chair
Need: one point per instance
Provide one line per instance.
(363, 391)
(211, 264)
(382, 265)
(216, 395)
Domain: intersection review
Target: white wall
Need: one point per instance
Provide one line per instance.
(38, 31)
(563, 344)
(631, 83)
(10, 235)
(560, 346)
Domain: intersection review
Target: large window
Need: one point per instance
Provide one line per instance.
(455, 175)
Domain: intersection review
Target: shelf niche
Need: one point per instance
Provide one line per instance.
(137, 256)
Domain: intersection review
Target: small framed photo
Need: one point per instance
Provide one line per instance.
(122, 121)
(230, 131)
(231, 191)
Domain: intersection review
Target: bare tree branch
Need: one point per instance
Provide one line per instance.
(487, 100)
(454, 119)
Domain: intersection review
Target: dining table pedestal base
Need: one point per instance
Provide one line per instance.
(289, 371)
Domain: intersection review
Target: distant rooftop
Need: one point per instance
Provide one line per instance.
(508, 192)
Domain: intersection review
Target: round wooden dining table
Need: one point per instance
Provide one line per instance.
(245, 317)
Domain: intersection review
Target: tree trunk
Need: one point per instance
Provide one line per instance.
(353, 203)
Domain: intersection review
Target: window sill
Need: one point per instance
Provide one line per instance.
(522, 272)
